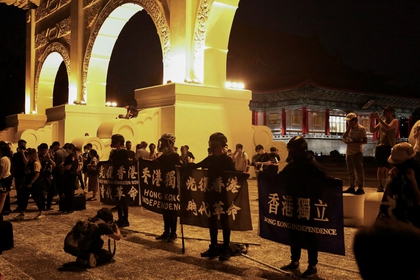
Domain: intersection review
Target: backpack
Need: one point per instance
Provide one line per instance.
(80, 238)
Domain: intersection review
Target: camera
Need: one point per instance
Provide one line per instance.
(22, 148)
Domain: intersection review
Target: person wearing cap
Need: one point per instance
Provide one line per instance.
(387, 129)
(401, 199)
(354, 138)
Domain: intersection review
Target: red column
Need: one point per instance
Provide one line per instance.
(256, 117)
(304, 120)
(283, 122)
(374, 134)
(264, 118)
(327, 121)
(253, 117)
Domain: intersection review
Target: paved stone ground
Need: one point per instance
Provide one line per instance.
(38, 252)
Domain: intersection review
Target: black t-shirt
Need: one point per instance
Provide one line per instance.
(18, 165)
(71, 159)
(217, 163)
(119, 158)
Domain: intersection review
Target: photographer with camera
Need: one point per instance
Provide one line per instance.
(85, 241)
(401, 200)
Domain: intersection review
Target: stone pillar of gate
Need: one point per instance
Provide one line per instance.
(196, 102)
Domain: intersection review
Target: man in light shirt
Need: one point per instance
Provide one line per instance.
(354, 138)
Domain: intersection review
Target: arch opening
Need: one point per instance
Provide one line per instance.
(47, 79)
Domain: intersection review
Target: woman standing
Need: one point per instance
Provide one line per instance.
(5, 174)
(92, 173)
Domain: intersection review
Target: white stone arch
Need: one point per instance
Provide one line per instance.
(46, 72)
(105, 33)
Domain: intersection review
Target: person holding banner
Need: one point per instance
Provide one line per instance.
(302, 176)
(168, 160)
(119, 157)
(216, 163)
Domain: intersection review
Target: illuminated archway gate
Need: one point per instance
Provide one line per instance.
(194, 36)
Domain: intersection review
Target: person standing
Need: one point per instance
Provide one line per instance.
(152, 149)
(302, 176)
(18, 167)
(216, 163)
(168, 160)
(118, 158)
(59, 157)
(387, 129)
(354, 138)
(240, 159)
(92, 173)
(31, 185)
(5, 173)
(46, 174)
(70, 166)
(130, 152)
(141, 152)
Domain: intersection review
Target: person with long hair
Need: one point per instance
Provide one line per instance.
(5, 174)
(92, 173)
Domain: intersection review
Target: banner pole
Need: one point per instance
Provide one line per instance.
(268, 265)
(182, 239)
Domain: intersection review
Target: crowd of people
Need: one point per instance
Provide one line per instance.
(53, 171)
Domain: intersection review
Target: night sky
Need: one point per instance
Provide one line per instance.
(370, 46)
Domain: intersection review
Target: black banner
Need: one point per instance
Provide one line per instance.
(311, 217)
(118, 183)
(159, 189)
(222, 203)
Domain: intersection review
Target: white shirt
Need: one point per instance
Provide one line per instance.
(5, 163)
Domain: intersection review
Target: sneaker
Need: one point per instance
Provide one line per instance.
(380, 189)
(225, 255)
(92, 260)
(121, 223)
(290, 266)
(39, 216)
(359, 191)
(163, 236)
(310, 272)
(212, 252)
(172, 238)
(350, 190)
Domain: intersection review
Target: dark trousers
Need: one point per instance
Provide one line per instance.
(312, 255)
(226, 237)
(49, 186)
(68, 192)
(170, 224)
(122, 208)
